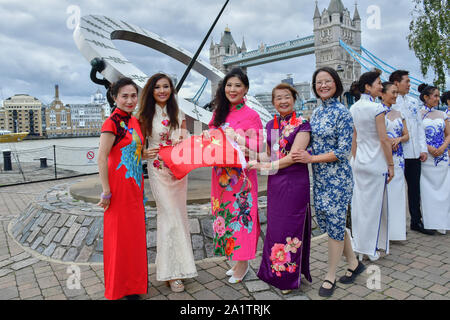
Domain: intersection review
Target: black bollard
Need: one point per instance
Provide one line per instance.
(7, 166)
(43, 162)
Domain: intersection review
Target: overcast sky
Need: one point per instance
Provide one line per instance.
(37, 49)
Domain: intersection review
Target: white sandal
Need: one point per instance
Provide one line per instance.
(176, 285)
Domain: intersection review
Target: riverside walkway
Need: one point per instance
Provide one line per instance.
(415, 269)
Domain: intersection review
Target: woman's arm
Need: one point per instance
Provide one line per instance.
(386, 145)
(106, 143)
(301, 141)
(405, 132)
(354, 143)
(444, 146)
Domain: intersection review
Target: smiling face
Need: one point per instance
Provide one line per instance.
(283, 101)
(235, 90)
(390, 96)
(127, 98)
(325, 85)
(162, 91)
(433, 99)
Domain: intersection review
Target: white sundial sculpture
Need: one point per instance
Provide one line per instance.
(93, 37)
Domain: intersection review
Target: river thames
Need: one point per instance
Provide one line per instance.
(77, 154)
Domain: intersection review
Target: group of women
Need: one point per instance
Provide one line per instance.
(370, 131)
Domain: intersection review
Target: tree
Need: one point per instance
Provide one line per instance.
(429, 37)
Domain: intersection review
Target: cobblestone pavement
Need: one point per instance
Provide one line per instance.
(418, 268)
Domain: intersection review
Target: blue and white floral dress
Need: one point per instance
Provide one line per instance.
(396, 189)
(435, 178)
(332, 131)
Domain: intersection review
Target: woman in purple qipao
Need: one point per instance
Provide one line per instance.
(288, 236)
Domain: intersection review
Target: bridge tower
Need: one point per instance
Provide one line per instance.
(218, 51)
(332, 25)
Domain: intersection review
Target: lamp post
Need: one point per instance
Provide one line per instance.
(340, 71)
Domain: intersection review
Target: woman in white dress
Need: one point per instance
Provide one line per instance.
(397, 132)
(372, 168)
(165, 125)
(434, 179)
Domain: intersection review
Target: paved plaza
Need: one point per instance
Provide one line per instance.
(415, 269)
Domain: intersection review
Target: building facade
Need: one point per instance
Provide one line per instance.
(331, 26)
(58, 118)
(218, 51)
(22, 113)
(87, 119)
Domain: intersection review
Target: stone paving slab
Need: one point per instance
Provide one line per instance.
(404, 275)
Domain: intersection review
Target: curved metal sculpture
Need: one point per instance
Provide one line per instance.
(93, 37)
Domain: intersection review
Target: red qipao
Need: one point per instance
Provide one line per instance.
(124, 242)
(234, 193)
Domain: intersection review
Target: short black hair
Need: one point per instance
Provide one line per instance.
(398, 75)
(337, 80)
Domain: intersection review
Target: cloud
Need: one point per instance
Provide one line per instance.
(38, 50)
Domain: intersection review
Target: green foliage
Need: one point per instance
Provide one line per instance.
(429, 37)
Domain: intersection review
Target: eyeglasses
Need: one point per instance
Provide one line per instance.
(326, 82)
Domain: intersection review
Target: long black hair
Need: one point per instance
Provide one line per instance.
(221, 102)
(147, 104)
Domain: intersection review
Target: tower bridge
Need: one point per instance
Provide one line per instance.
(333, 25)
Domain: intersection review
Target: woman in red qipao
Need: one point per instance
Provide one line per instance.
(121, 174)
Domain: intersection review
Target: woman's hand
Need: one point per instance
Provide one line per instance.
(390, 173)
(433, 151)
(230, 133)
(395, 143)
(104, 203)
(301, 156)
(150, 153)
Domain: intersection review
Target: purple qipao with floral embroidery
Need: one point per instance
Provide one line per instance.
(287, 242)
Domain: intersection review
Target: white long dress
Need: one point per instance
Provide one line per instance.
(369, 201)
(435, 178)
(174, 256)
(396, 189)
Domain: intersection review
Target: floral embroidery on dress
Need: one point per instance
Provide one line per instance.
(435, 138)
(395, 130)
(281, 256)
(287, 127)
(224, 242)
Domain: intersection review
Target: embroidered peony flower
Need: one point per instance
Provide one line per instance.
(288, 130)
(292, 244)
(219, 226)
(229, 247)
(165, 123)
(291, 268)
(169, 142)
(283, 143)
(156, 164)
(278, 255)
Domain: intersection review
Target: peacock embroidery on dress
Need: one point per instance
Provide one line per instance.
(131, 156)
